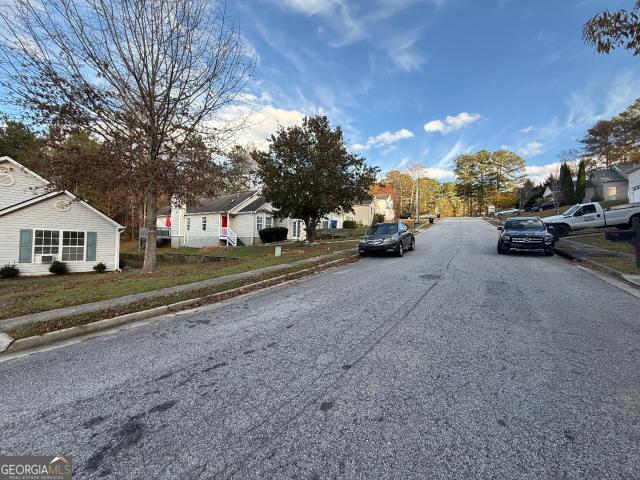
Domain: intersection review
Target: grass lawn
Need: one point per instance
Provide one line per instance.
(204, 296)
(619, 264)
(36, 294)
(601, 242)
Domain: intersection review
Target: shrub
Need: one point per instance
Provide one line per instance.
(349, 224)
(378, 218)
(9, 271)
(273, 234)
(99, 267)
(58, 268)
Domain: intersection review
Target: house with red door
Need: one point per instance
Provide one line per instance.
(232, 219)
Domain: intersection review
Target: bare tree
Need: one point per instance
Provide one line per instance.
(554, 183)
(152, 78)
(525, 191)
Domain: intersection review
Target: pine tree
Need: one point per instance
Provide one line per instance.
(566, 184)
(581, 181)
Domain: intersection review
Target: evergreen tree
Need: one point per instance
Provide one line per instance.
(566, 184)
(581, 181)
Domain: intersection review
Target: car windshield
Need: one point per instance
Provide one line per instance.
(572, 210)
(524, 224)
(382, 228)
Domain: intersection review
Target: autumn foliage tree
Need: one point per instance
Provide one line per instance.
(308, 173)
(609, 30)
(149, 80)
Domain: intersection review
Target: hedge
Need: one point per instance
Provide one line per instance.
(273, 234)
(349, 224)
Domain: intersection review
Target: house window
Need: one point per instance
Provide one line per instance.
(259, 222)
(72, 246)
(47, 242)
(295, 229)
(204, 223)
(188, 223)
(325, 224)
(268, 222)
(611, 192)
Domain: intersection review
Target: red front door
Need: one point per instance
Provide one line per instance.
(224, 221)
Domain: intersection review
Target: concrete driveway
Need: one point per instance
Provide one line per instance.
(452, 362)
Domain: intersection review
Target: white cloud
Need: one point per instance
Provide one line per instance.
(402, 53)
(539, 173)
(451, 122)
(347, 22)
(311, 7)
(531, 149)
(256, 118)
(447, 159)
(437, 173)
(596, 101)
(383, 139)
(528, 129)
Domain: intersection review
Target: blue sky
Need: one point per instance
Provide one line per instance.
(424, 80)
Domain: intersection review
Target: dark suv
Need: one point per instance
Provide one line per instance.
(390, 237)
(527, 234)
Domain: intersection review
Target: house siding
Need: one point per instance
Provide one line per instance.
(44, 215)
(363, 214)
(634, 187)
(25, 185)
(198, 238)
(621, 190)
(244, 225)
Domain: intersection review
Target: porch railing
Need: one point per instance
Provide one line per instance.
(161, 232)
(229, 235)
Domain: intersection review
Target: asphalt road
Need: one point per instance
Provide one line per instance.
(452, 362)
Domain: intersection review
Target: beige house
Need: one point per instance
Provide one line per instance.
(39, 225)
(364, 212)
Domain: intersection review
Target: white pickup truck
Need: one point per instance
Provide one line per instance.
(591, 215)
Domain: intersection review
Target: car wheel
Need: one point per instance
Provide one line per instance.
(412, 245)
(363, 254)
(500, 249)
(561, 230)
(549, 252)
(400, 251)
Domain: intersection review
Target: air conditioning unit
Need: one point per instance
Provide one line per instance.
(47, 258)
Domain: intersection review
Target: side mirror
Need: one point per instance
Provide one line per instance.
(500, 228)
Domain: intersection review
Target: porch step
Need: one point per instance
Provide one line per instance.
(240, 243)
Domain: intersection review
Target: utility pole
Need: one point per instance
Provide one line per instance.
(417, 200)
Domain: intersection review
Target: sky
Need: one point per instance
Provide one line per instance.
(425, 80)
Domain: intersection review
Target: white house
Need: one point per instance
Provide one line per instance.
(38, 226)
(633, 177)
(232, 219)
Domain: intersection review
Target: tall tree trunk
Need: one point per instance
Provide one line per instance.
(310, 224)
(150, 259)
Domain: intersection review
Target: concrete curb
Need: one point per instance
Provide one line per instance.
(7, 324)
(12, 346)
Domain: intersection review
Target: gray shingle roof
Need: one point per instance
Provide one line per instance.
(605, 175)
(628, 167)
(222, 203)
(219, 204)
(255, 205)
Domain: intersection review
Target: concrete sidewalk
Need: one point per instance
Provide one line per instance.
(10, 323)
(590, 254)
